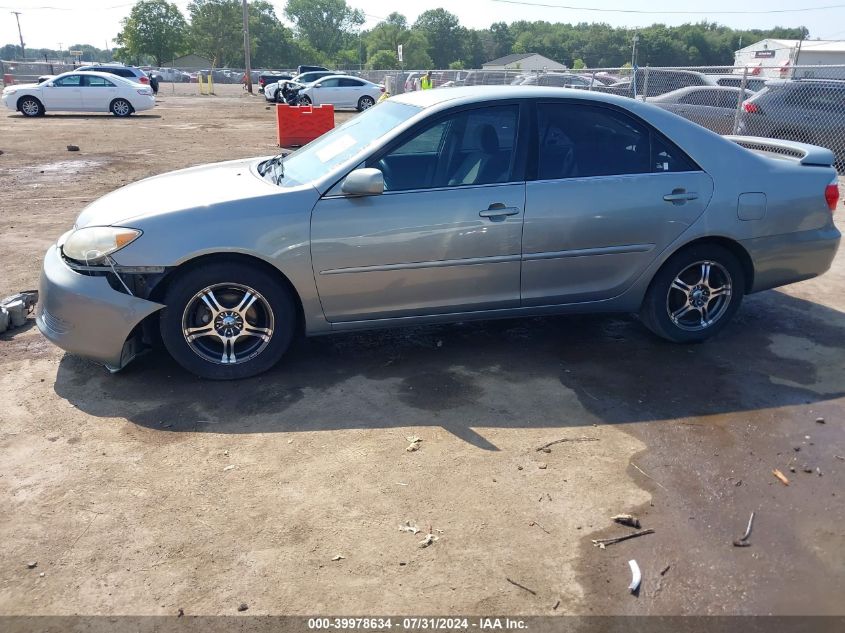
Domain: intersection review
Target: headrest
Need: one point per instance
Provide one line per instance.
(489, 139)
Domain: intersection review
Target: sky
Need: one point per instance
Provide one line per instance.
(49, 23)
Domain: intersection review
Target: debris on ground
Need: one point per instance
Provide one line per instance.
(32, 564)
(414, 443)
(14, 309)
(742, 541)
(664, 570)
(180, 613)
(602, 542)
(626, 519)
(73, 148)
(650, 477)
(243, 606)
(556, 605)
(781, 477)
(523, 587)
(542, 466)
(566, 439)
(533, 523)
(429, 539)
(806, 469)
(228, 468)
(338, 557)
(407, 527)
(636, 576)
(819, 420)
(818, 471)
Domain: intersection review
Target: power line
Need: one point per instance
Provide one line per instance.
(647, 12)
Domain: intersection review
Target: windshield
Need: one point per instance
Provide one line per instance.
(333, 148)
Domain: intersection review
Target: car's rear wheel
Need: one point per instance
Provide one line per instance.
(304, 100)
(30, 106)
(365, 103)
(121, 107)
(694, 294)
(227, 320)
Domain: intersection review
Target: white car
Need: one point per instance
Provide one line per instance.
(80, 91)
(342, 91)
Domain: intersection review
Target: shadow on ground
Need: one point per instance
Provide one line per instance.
(455, 376)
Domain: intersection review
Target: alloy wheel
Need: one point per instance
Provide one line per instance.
(699, 296)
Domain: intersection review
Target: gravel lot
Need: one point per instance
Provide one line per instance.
(151, 491)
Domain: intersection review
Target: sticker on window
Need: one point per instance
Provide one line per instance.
(334, 148)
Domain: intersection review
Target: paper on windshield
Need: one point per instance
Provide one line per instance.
(335, 147)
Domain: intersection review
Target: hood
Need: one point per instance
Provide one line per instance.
(14, 87)
(190, 188)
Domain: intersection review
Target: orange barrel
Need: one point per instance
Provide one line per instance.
(298, 125)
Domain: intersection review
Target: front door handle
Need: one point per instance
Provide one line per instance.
(498, 210)
(680, 196)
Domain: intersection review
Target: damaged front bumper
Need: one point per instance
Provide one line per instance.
(85, 316)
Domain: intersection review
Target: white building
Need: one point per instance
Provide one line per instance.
(778, 58)
(523, 61)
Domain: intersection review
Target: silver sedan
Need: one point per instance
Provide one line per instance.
(440, 206)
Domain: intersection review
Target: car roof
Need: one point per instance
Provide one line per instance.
(343, 77)
(480, 94)
(92, 73)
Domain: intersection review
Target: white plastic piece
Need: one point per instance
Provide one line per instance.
(636, 576)
(4, 320)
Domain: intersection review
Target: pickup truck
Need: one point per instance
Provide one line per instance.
(271, 78)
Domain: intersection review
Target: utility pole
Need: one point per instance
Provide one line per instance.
(247, 62)
(634, 66)
(18, 19)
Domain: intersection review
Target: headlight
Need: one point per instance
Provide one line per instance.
(9, 91)
(93, 244)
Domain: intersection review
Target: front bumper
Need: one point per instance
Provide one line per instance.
(84, 315)
(10, 101)
(785, 259)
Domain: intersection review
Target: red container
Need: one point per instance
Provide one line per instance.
(298, 125)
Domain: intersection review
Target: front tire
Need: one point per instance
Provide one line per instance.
(121, 108)
(30, 106)
(694, 294)
(305, 100)
(227, 320)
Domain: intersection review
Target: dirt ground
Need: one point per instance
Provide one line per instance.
(151, 491)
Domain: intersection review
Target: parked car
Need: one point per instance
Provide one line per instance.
(306, 69)
(127, 72)
(342, 91)
(713, 107)
(735, 81)
(805, 110)
(272, 92)
(80, 91)
(269, 77)
(561, 80)
(441, 206)
(660, 81)
(487, 78)
(44, 78)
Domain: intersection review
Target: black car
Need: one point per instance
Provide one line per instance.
(271, 78)
(307, 69)
(804, 110)
(127, 72)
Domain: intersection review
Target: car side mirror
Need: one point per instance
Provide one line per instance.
(50, 84)
(364, 182)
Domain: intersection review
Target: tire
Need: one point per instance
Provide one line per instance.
(121, 108)
(365, 103)
(201, 315)
(304, 100)
(277, 96)
(30, 106)
(694, 314)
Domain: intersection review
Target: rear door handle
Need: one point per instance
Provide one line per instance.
(679, 196)
(498, 210)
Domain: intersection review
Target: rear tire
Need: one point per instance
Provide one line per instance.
(694, 294)
(121, 108)
(365, 103)
(30, 106)
(227, 320)
(304, 100)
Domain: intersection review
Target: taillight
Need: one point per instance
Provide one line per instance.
(381, 88)
(751, 108)
(145, 80)
(831, 195)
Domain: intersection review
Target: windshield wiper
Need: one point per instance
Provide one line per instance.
(276, 165)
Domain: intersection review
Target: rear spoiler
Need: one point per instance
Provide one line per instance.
(805, 153)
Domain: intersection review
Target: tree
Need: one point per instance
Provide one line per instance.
(444, 35)
(324, 23)
(272, 45)
(383, 60)
(217, 30)
(154, 28)
(388, 35)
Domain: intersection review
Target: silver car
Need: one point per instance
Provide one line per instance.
(439, 206)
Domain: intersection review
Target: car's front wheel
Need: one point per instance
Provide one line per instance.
(694, 294)
(304, 100)
(227, 320)
(121, 107)
(30, 106)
